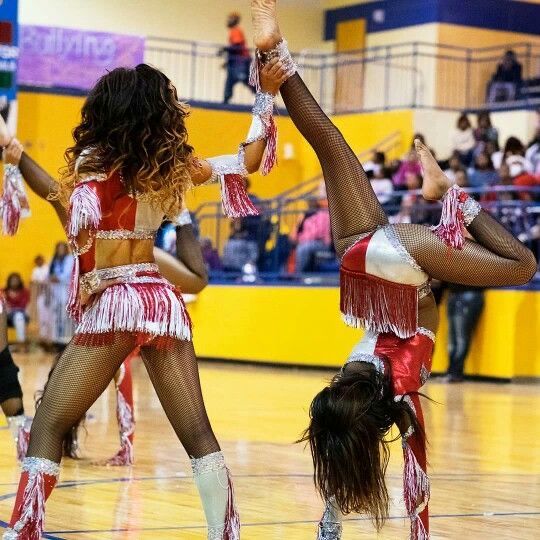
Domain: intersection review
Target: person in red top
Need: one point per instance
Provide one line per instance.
(17, 298)
(239, 59)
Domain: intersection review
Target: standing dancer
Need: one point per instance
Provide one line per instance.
(188, 273)
(130, 165)
(385, 271)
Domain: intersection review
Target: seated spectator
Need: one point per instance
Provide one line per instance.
(463, 140)
(382, 185)
(506, 81)
(454, 167)
(521, 177)
(483, 174)
(461, 179)
(377, 163)
(312, 235)
(533, 151)
(485, 132)
(410, 165)
(493, 150)
(241, 248)
(210, 254)
(17, 298)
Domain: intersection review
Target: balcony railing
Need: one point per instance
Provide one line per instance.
(408, 75)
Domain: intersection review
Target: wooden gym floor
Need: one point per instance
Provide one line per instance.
(484, 454)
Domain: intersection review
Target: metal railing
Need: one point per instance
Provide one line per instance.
(518, 208)
(407, 75)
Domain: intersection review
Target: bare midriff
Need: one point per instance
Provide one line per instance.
(111, 253)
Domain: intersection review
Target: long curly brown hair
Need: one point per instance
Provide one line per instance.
(349, 423)
(133, 124)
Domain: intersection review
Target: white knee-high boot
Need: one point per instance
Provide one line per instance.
(214, 483)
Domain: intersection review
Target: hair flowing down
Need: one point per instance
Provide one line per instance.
(349, 423)
(133, 124)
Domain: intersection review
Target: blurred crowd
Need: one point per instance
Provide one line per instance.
(42, 302)
(295, 239)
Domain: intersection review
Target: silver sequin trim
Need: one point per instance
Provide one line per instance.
(122, 234)
(407, 399)
(426, 332)
(83, 249)
(215, 533)
(470, 209)
(127, 270)
(424, 374)
(281, 51)
(101, 177)
(393, 238)
(210, 463)
(424, 290)
(35, 465)
(264, 104)
(183, 218)
(408, 433)
(368, 358)
(10, 534)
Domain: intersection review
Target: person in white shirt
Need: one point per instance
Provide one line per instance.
(463, 140)
(382, 185)
(39, 281)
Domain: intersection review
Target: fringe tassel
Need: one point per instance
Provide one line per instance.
(416, 490)
(149, 309)
(234, 197)
(270, 154)
(451, 225)
(232, 519)
(124, 414)
(32, 515)
(378, 305)
(13, 202)
(23, 439)
(84, 210)
(74, 307)
(418, 531)
(254, 78)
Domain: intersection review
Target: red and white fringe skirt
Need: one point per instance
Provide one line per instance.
(144, 304)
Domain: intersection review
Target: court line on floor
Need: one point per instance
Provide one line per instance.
(298, 522)
(49, 536)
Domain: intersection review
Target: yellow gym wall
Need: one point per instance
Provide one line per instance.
(302, 325)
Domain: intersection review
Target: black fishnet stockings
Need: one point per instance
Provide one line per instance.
(496, 259)
(82, 375)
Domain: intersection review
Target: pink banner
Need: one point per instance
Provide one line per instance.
(67, 58)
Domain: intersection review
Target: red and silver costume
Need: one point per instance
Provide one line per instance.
(381, 285)
(142, 303)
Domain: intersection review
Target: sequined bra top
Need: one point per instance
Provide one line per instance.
(381, 284)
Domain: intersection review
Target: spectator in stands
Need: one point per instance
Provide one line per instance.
(382, 185)
(312, 235)
(238, 57)
(521, 177)
(463, 141)
(39, 282)
(507, 80)
(454, 167)
(241, 248)
(493, 150)
(210, 254)
(59, 277)
(461, 178)
(377, 163)
(485, 132)
(483, 174)
(533, 151)
(465, 305)
(410, 165)
(17, 298)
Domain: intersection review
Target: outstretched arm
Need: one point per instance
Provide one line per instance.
(39, 181)
(252, 150)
